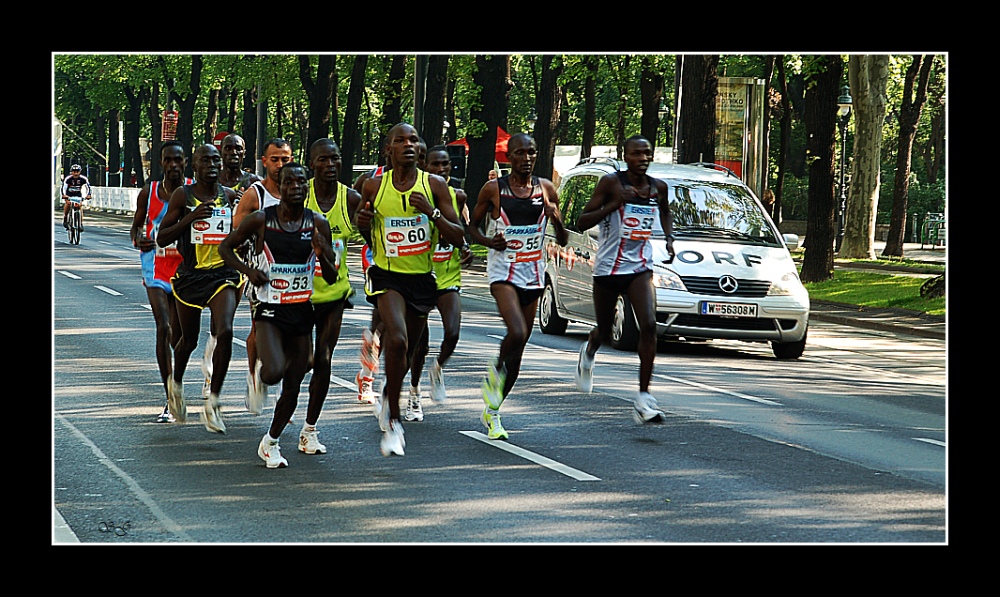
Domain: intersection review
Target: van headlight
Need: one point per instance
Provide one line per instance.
(787, 285)
(666, 278)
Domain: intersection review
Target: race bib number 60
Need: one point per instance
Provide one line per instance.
(211, 231)
(407, 236)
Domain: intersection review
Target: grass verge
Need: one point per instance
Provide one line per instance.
(869, 289)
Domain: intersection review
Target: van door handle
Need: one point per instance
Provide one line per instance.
(581, 254)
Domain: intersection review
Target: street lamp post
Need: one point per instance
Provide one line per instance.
(532, 119)
(844, 103)
(663, 111)
(444, 131)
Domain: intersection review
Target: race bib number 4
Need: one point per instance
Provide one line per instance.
(212, 230)
(524, 243)
(637, 221)
(289, 283)
(407, 236)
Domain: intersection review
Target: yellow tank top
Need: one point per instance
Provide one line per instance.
(401, 234)
(340, 232)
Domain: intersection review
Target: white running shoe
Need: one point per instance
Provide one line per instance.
(646, 410)
(270, 453)
(212, 415)
(165, 416)
(393, 441)
(175, 400)
(366, 388)
(413, 410)
(585, 371)
(436, 376)
(256, 391)
(309, 441)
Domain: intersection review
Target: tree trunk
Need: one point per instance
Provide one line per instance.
(156, 123)
(786, 136)
(868, 76)
(114, 150)
(589, 106)
(319, 93)
(699, 88)
(350, 145)
(651, 92)
(822, 90)
(547, 100)
(492, 76)
(914, 95)
(766, 125)
(254, 147)
(432, 128)
(185, 108)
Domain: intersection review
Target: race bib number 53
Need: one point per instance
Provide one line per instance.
(289, 283)
(211, 231)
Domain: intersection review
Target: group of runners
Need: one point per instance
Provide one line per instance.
(281, 242)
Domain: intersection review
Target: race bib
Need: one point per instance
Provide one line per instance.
(167, 251)
(288, 283)
(406, 236)
(212, 230)
(338, 255)
(637, 221)
(443, 251)
(524, 243)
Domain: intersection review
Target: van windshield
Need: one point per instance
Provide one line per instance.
(717, 210)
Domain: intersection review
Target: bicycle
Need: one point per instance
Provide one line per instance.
(75, 220)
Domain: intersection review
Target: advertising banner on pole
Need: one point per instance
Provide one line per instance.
(169, 125)
(739, 129)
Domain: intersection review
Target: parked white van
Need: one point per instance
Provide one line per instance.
(732, 276)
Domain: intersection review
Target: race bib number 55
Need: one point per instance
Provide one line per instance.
(524, 243)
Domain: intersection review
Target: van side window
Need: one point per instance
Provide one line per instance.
(575, 195)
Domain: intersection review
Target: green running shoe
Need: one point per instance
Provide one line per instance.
(494, 429)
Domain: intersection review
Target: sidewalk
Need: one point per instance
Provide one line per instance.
(888, 320)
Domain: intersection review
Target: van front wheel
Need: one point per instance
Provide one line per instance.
(789, 350)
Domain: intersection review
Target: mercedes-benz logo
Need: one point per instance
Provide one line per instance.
(728, 284)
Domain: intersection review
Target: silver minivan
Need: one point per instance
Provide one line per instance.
(732, 276)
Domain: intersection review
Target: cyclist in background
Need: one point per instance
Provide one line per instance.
(73, 186)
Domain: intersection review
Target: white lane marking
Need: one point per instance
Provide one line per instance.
(108, 290)
(61, 533)
(498, 337)
(528, 455)
(144, 497)
(69, 275)
(715, 389)
(340, 381)
(242, 343)
(930, 441)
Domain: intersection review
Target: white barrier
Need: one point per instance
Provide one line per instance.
(112, 199)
